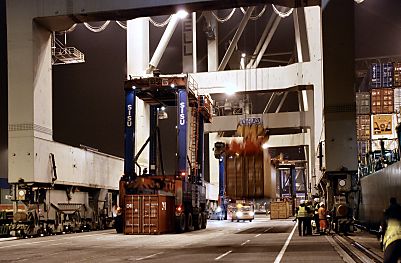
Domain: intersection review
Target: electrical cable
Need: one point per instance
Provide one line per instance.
(160, 24)
(97, 29)
(121, 24)
(225, 19)
(257, 16)
(282, 14)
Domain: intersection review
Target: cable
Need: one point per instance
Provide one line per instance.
(121, 25)
(162, 24)
(97, 29)
(225, 19)
(257, 16)
(281, 14)
(72, 28)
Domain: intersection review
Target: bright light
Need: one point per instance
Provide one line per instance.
(218, 210)
(182, 14)
(163, 108)
(265, 146)
(183, 174)
(172, 85)
(230, 91)
(243, 55)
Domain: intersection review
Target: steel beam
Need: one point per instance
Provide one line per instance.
(161, 47)
(281, 102)
(269, 37)
(235, 39)
(301, 37)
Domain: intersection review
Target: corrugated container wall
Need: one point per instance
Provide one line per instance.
(382, 100)
(362, 103)
(397, 74)
(375, 75)
(397, 100)
(388, 74)
(149, 214)
(245, 177)
(363, 127)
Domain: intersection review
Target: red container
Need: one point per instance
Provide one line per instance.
(149, 214)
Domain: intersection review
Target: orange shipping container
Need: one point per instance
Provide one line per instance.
(149, 214)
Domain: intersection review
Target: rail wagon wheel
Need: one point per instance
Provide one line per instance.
(189, 225)
(198, 221)
(204, 220)
(180, 223)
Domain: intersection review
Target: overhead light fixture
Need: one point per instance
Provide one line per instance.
(243, 55)
(230, 91)
(182, 14)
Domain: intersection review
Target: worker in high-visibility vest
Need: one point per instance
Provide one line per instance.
(392, 234)
(302, 213)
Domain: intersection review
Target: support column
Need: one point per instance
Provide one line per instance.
(339, 94)
(212, 42)
(29, 91)
(3, 94)
(137, 62)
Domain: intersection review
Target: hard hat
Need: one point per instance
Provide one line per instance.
(316, 199)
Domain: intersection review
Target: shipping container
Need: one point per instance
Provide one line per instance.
(383, 126)
(362, 103)
(387, 74)
(149, 214)
(382, 100)
(397, 74)
(390, 144)
(363, 127)
(375, 75)
(397, 100)
(245, 176)
(363, 147)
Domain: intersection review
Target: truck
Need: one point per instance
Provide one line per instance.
(154, 202)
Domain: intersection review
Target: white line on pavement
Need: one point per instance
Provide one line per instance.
(257, 235)
(245, 242)
(223, 255)
(150, 256)
(287, 242)
(266, 230)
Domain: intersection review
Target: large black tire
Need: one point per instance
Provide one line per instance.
(204, 220)
(180, 223)
(190, 223)
(198, 221)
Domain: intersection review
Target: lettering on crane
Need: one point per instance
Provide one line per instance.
(182, 115)
(129, 115)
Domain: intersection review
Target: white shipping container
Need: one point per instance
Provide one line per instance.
(397, 100)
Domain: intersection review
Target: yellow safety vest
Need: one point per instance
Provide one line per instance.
(393, 232)
(302, 211)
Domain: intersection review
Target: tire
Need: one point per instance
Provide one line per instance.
(204, 220)
(180, 223)
(250, 220)
(198, 221)
(190, 223)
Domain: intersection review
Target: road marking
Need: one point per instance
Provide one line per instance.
(150, 256)
(223, 255)
(266, 230)
(245, 242)
(257, 235)
(287, 242)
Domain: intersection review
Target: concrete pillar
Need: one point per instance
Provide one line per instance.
(339, 94)
(30, 89)
(3, 93)
(137, 62)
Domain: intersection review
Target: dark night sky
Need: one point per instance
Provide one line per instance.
(88, 98)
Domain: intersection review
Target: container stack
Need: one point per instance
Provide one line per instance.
(378, 110)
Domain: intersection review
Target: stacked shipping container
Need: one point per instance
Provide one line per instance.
(385, 101)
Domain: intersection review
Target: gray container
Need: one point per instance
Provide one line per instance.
(363, 103)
